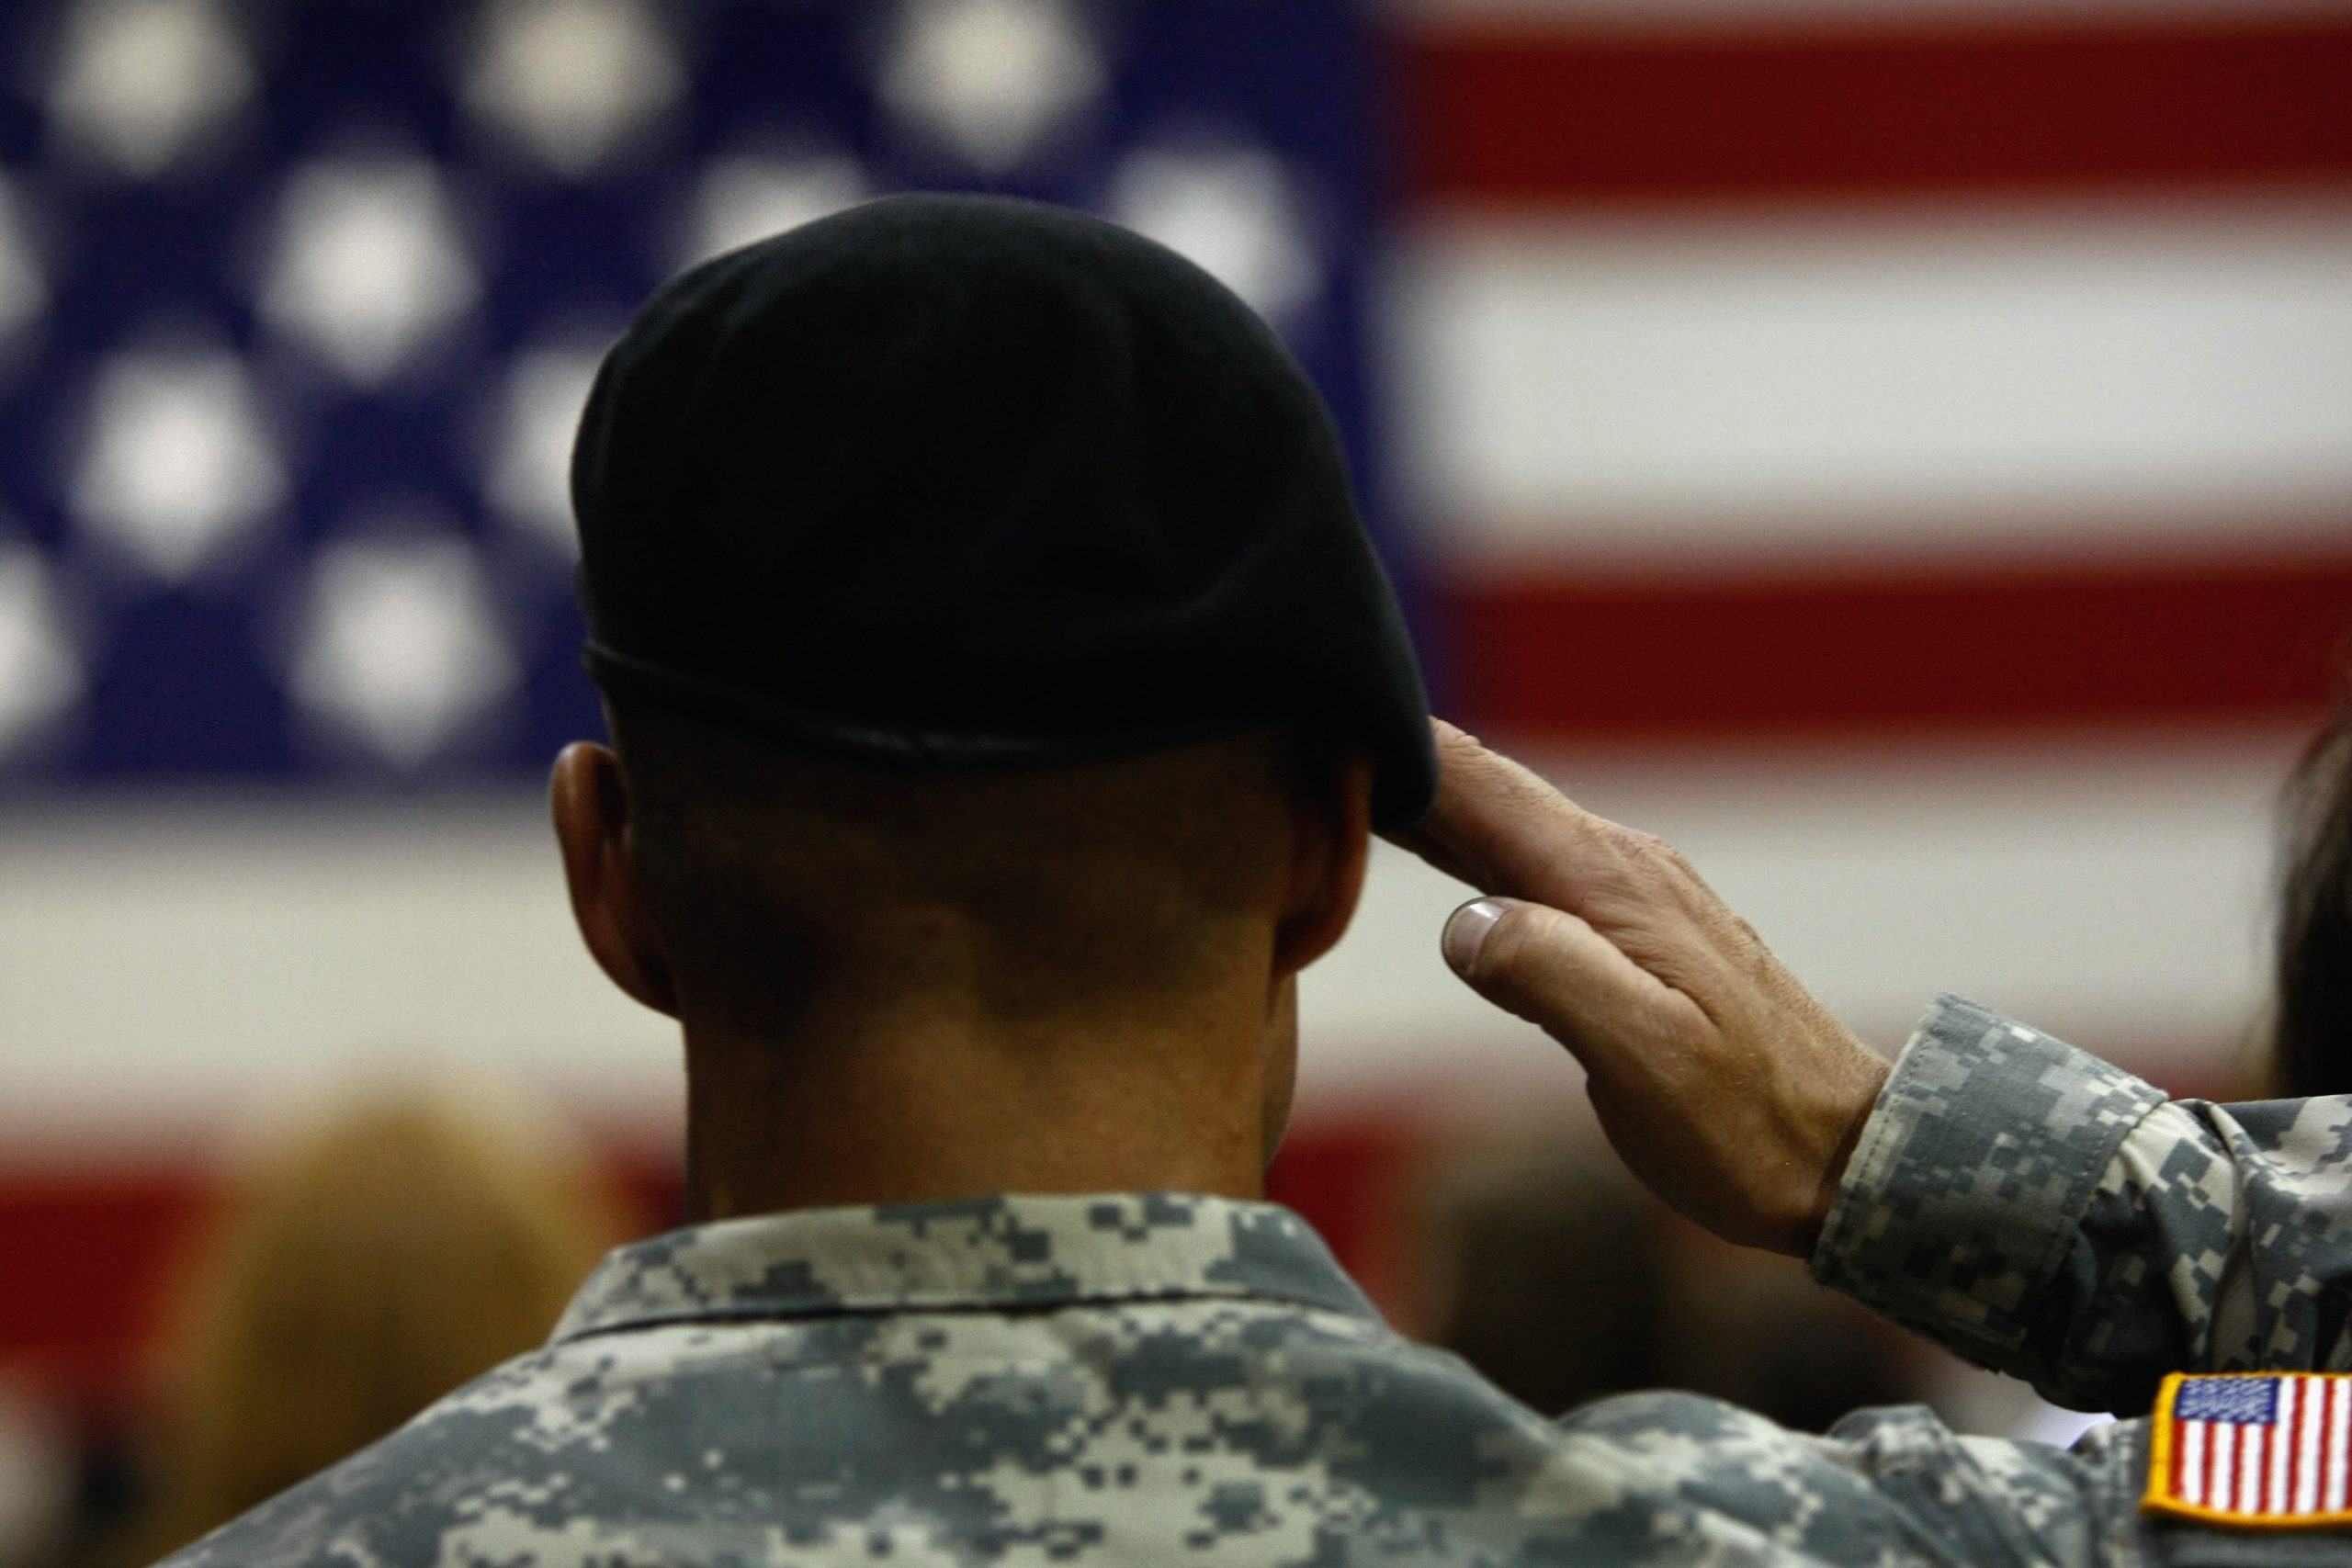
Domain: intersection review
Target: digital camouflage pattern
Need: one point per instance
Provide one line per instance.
(1163, 1378)
(2042, 1212)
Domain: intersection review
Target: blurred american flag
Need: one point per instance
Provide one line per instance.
(1905, 452)
(301, 302)
(1900, 448)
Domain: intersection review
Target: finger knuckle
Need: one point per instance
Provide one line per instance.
(1624, 840)
(1654, 855)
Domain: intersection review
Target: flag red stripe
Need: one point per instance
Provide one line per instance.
(2179, 1483)
(2265, 1471)
(1516, 115)
(109, 1237)
(2278, 1440)
(2047, 648)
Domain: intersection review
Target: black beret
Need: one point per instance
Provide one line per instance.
(962, 481)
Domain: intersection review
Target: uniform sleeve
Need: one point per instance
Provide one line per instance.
(1894, 1486)
(2041, 1212)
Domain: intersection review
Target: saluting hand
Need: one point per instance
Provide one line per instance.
(1728, 1089)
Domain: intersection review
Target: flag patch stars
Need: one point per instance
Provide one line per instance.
(2267, 1451)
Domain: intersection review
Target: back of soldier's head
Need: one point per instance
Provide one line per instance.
(939, 514)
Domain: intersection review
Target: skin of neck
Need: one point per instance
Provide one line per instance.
(899, 1062)
(941, 1097)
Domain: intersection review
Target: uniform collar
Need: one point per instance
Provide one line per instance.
(982, 1254)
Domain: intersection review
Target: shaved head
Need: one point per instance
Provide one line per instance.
(775, 874)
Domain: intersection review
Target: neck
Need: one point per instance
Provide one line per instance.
(922, 1103)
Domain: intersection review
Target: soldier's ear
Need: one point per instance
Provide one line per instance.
(607, 900)
(1329, 848)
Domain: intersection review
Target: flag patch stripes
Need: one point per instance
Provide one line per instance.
(2271, 1451)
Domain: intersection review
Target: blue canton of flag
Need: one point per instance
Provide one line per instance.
(2241, 1400)
(2269, 1451)
(299, 305)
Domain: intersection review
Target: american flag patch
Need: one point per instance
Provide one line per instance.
(2272, 1451)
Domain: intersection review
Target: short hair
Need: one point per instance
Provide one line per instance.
(771, 869)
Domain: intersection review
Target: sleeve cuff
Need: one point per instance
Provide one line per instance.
(1972, 1178)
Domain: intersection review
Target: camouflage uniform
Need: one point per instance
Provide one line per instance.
(1152, 1379)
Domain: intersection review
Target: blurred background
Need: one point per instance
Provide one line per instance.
(1899, 449)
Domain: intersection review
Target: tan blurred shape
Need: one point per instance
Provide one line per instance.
(389, 1251)
(1539, 1261)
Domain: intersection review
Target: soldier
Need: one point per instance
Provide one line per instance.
(1002, 695)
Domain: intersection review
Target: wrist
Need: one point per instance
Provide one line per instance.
(1861, 1104)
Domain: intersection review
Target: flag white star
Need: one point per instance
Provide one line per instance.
(179, 461)
(1235, 210)
(991, 79)
(570, 81)
(40, 674)
(140, 83)
(530, 470)
(745, 197)
(400, 650)
(368, 264)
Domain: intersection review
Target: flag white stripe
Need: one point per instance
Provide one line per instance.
(2102, 889)
(2223, 1438)
(2310, 1428)
(2338, 1444)
(1711, 389)
(2280, 1448)
(2192, 1461)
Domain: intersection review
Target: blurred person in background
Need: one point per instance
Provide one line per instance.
(1541, 1265)
(1544, 1265)
(35, 1480)
(1004, 695)
(358, 1271)
(2312, 1028)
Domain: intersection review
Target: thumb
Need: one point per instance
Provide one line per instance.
(1554, 970)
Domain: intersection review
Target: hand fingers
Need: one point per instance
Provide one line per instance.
(1499, 825)
(1442, 836)
(1501, 828)
(1554, 970)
